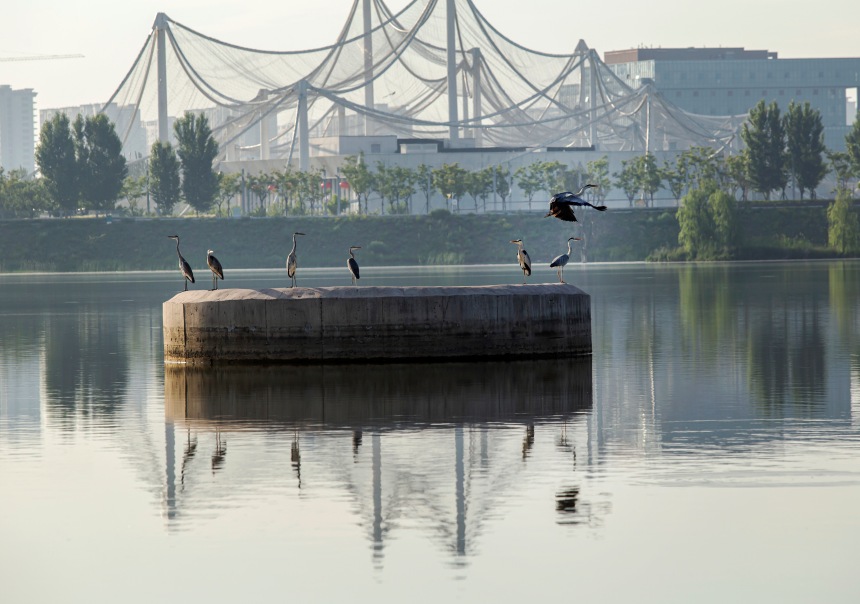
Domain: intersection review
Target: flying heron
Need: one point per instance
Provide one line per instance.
(291, 262)
(352, 265)
(215, 267)
(561, 204)
(559, 261)
(523, 258)
(183, 264)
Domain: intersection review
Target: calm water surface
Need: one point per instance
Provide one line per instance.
(709, 451)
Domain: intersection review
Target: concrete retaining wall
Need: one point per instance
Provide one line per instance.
(346, 323)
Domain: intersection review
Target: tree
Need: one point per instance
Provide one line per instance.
(479, 184)
(502, 181)
(597, 173)
(530, 179)
(55, 156)
(840, 164)
(424, 183)
(164, 184)
(101, 166)
(696, 223)
(134, 189)
(723, 209)
(228, 187)
(359, 177)
(197, 150)
(647, 174)
(626, 180)
(843, 232)
(450, 181)
(852, 145)
(764, 136)
(805, 146)
(737, 172)
(21, 196)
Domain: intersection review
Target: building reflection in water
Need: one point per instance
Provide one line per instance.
(397, 407)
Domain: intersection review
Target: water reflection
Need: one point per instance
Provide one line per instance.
(439, 437)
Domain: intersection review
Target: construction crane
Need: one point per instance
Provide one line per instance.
(42, 57)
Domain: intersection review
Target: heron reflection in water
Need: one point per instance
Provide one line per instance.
(184, 267)
(220, 451)
(291, 262)
(187, 456)
(296, 457)
(528, 440)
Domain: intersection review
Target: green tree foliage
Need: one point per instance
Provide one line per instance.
(55, 156)
(503, 180)
(737, 173)
(648, 176)
(840, 164)
(852, 145)
(134, 190)
(424, 183)
(450, 181)
(101, 166)
(530, 179)
(708, 222)
(626, 180)
(843, 232)
(229, 186)
(359, 177)
(696, 223)
(805, 146)
(764, 136)
(164, 177)
(21, 196)
(479, 185)
(597, 173)
(197, 150)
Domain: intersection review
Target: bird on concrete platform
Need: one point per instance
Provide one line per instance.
(215, 267)
(352, 265)
(561, 204)
(559, 261)
(291, 262)
(523, 258)
(183, 264)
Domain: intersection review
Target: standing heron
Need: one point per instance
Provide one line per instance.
(215, 267)
(523, 258)
(559, 261)
(291, 262)
(561, 204)
(183, 264)
(352, 265)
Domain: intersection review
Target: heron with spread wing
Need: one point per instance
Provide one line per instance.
(561, 204)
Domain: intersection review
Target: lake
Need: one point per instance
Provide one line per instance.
(708, 451)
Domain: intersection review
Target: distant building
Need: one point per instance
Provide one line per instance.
(17, 129)
(730, 81)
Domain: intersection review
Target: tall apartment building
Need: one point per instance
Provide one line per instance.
(730, 81)
(17, 129)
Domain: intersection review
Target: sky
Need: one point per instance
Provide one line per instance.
(110, 34)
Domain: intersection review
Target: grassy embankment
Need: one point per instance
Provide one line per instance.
(89, 244)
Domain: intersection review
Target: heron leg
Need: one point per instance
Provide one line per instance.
(185, 281)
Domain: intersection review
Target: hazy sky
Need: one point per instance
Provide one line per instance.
(111, 33)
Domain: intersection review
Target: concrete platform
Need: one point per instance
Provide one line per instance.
(338, 324)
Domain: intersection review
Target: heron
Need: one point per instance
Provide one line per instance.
(183, 264)
(352, 265)
(215, 267)
(559, 261)
(291, 262)
(523, 258)
(561, 204)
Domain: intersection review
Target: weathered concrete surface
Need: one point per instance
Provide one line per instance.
(346, 323)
